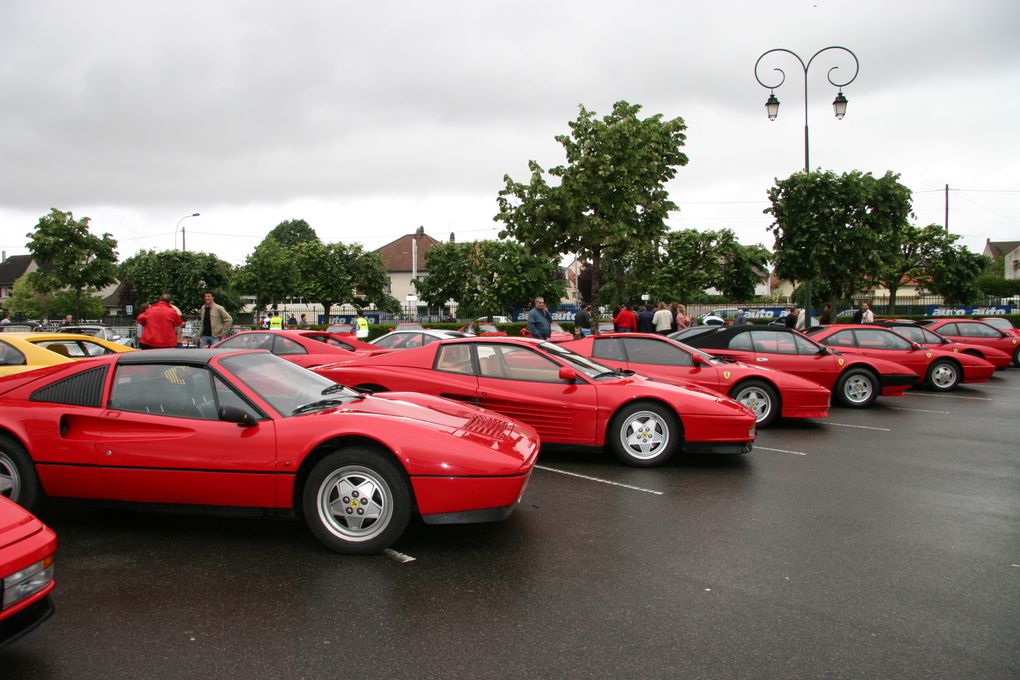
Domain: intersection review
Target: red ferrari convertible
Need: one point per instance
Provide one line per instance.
(304, 348)
(568, 398)
(26, 568)
(228, 428)
(767, 393)
(942, 370)
(855, 381)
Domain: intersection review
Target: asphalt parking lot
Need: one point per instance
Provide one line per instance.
(882, 543)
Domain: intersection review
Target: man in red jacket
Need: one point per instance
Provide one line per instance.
(159, 325)
(626, 321)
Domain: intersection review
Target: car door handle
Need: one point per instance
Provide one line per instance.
(761, 359)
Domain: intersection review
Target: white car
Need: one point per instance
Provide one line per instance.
(410, 339)
(98, 331)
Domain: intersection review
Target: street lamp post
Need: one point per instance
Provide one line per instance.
(838, 107)
(184, 245)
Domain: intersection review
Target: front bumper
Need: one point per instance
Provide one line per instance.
(25, 621)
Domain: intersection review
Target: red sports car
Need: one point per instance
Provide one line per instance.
(766, 392)
(26, 566)
(976, 332)
(942, 370)
(345, 341)
(1001, 323)
(568, 398)
(926, 337)
(556, 333)
(304, 348)
(227, 428)
(855, 381)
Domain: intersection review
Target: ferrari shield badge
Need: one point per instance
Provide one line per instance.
(726, 375)
(928, 354)
(842, 361)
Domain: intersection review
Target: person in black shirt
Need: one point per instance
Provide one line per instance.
(582, 322)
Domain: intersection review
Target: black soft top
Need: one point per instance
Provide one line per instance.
(720, 336)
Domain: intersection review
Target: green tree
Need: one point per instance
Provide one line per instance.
(954, 275)
(338, 273)
(842, 229)
(70, 256)
(185, 275)
(918, 251)
(488, 277)
(26, 301)
(611, 193)
(268, 274)
(291, 233)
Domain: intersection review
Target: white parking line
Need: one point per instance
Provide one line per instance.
(859, 427)
(945, 396)
(397, 556)
(999, 387)
(601, 481)
(762, 448)
(918, 410)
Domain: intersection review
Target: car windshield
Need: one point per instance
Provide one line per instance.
(708, 358)
(287, 387)
(581, 364)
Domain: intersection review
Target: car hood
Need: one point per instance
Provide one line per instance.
(16, 523)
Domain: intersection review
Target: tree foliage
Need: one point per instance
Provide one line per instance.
(611, 193)
(917, 256)
(954, 275)
(185, 275)
(339, 273)
(488, 277)
(268, 274)
(70, 257)
(842, 229)
(291, 233)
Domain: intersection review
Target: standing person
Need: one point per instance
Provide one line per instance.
(276, 321)
(304, 321)
(644, 320)
(858, 314)
(68, 320)
(826, 318)
(138, 324)
(6, 320)
(160, 323)
(740, 318)
(672, 313)
(539, 320)
(616, 313)
(625, 321)
(791, 318)
(362, 324)
(663, 320)
(216, 323)
(582, 322)
(292, 320)
(867, 316)
(682, 320)
(801, 319)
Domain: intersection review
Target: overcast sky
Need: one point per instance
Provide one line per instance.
(368, 119)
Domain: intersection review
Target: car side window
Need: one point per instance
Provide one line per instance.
(880, 339)
(977, 330)
(249, 341)
(65, 348)
(949, 329)
(9, 356)
(285, 346)
(226, 396)
(164, 389)
(742, 342)
(516, 363)
(454, 359)
(647, 351)
(609, 348)
(840, 339)
(773, 342)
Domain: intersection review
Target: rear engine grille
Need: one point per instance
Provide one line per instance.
(497, 428)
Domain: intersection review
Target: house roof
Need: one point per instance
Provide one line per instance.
(13, 268)
(396, 255)
(999, 248)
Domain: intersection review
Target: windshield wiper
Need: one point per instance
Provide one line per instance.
(615, 373)
(324, 403)
(333, 389)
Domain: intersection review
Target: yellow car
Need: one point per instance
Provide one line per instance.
(28, 351)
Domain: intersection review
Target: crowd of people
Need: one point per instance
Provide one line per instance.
(161, 326)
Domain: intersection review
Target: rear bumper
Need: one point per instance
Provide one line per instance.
(895, 385)
(805, 403)
(978, 374)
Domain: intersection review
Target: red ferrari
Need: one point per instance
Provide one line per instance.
(942, 370)
(304, 348)
(767, 393)
(855, 381)
(976, 333)
(932, 340)
(26, 567)
(568, 398)
(227, 428)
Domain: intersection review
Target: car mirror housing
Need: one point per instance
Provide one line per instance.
(567, 374)
(232, 414)
(822, 351)
(697, 360)
(915, 346)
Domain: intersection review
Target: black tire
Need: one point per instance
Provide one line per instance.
(760, 397)
(18, 479)
(357, 501)
(644, 434)
(856, 388)
(943, 375)
(1016, 357)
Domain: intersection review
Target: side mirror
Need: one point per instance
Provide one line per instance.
(567, 374)
(822, 351)
(232, 414)
(697, 360)
(915, 346)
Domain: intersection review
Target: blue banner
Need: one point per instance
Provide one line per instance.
(991, 310)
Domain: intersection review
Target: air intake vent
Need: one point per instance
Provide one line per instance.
(497, 428)
(81, 389)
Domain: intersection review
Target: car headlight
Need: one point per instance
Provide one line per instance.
(28, 581)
